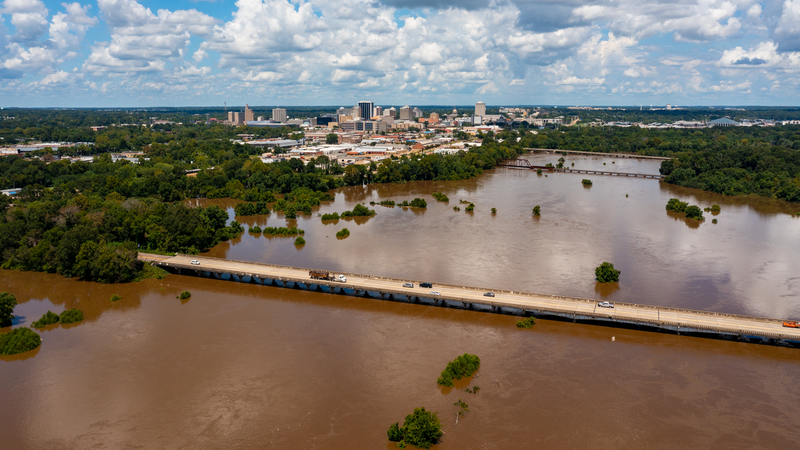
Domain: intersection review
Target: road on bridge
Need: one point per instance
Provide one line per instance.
(565, 306)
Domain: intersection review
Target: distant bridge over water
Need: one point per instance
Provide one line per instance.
(525, 164)
(703, 323)
(607, 155)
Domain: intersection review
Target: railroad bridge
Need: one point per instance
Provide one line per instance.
(656, 318)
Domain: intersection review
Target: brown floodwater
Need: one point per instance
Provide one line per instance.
(248, 366)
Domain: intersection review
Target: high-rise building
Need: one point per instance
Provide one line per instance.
(365, 110)
(378, 111)
(248, 113)
(279, 115)
(237, 118)
(391, 112)
(480, 109)
(230, 116)
(342, 111)
(406, 113)
(417, 113)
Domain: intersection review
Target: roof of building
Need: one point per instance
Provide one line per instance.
(723, 121)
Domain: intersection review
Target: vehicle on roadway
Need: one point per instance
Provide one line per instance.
(411, 285)
(489, 294)
(605, 305)
(195, 262)
(327, 276)
(426, 285)
(791, 324)
(435, 293)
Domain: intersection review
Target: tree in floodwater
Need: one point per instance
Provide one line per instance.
(537, 210)
(7, 303)
(421, 429)
(606, 273)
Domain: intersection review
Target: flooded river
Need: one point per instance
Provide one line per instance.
(246, 366)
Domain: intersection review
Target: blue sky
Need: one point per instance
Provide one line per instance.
(129, 53)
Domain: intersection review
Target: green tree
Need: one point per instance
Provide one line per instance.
(422, 428)
(7, 303)
(694, 212)
(395, 433)
(606, 273)
(537, 210)
(19, 340)
(332, 138)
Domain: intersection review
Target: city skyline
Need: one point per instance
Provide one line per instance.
(128, 53)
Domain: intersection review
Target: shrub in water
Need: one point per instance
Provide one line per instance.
(299, 241)
(586, 182)
(255, 229)
(494, 210)
(332, 216)
(463, 366)
(343, 233)
(470, 207)
(420, 429)
(537, 210)
(440, 197)
(676, 205)
(528, 322)
(185, 294)
(694, 212)
(18, 340)
(71, 316)
(115, 298)
(606, 273)
(47, 319)
(418, 203)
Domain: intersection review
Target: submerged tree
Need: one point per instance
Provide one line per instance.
(606, 273)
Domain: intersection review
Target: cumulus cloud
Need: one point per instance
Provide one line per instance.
(435, 51)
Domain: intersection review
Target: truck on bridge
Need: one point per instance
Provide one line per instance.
(327, 276)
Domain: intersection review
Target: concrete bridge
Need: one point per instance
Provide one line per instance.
(730, 326)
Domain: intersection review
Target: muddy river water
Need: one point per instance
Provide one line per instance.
(246, 366)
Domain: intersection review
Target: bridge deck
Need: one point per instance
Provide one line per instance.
(674, 319)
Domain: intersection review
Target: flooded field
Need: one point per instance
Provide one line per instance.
(247, 366)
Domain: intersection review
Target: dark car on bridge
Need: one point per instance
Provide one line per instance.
(426, 285)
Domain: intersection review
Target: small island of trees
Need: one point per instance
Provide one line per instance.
(282, 231)
(48, 318)
(251, 209)
(421, 429)
(440, 197)
(586, 182)
(299, 241)
(359, 211)
(691, 211)
(537, 210)
(343, 233)
(463, 366)
(527, 322)
(18, 340)
(606, 273)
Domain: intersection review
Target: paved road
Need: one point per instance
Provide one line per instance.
(642, 314)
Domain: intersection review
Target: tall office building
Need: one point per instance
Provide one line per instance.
(378, 111)
(279, 115)
(405, 113)
(480, 109)
(391, 112)
(417, 113)
(365, 110)
(248, 113)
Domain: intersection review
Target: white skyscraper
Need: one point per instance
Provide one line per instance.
(480, 109)
(279, 115)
